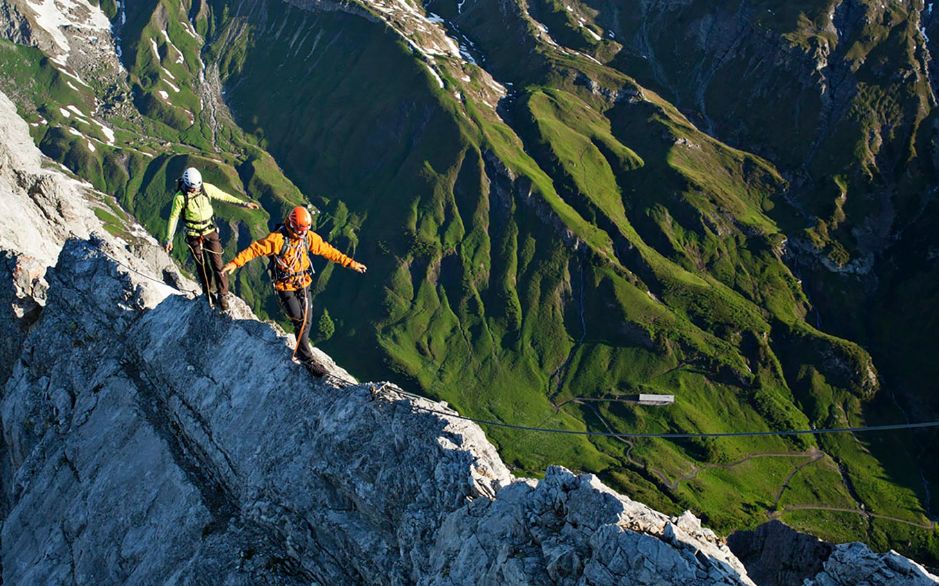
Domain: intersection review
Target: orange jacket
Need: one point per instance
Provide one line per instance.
(294, 257)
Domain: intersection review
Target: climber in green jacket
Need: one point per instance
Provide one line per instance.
(193, 200)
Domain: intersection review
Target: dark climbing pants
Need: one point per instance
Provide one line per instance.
(212, 246)
(298, 307)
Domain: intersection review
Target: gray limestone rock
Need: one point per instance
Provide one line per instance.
(22, 294)
(854, 564)
(160, 440)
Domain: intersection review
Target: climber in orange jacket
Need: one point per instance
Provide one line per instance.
(289, 248)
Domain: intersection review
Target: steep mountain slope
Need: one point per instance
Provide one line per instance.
(157, 441)
(840, 95)
(541, 247)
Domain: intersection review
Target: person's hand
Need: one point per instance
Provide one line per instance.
(229, 268)
(168, 247)
(358, 267)
(252, 205)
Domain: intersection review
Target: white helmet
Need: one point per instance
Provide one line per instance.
(192, 179)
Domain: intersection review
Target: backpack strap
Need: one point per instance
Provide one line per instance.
(278, 267)
(203, 225)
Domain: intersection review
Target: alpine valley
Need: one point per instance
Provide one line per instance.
(562, 204)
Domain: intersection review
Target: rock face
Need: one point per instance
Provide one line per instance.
(76, 34)
(855, 564)
(22, 291)
(776, 555)
(147, 439)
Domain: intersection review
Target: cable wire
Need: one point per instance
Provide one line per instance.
(155, 280)
(785, 432)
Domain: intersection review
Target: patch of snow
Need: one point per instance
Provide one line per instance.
(544, 31)
(75, 109)
(168, 72)
(296, 37)
(434, 18)
(434, 73)
(592, 34)
(316, 43)
(64, 71)
(409, 8)
(465, 54)
(188, 28)
(65, 112)
(108, 133)
(54, 15)
(75, 132)
(591, 57)
(179, 54)
(175, 89)
(451, 46)
(91, 147)
(459, 6)
(155, 49)
(69, 84)
(164, 95)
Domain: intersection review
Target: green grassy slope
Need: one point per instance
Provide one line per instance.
(840, 97)
(536, 264)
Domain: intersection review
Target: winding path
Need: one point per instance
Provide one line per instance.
(931, 526)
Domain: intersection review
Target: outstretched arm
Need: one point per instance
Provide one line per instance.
(322, 248)
(217, 194)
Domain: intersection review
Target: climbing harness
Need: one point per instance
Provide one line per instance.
(283, 265)
(200, 226)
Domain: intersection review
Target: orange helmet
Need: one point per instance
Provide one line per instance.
(299, 220)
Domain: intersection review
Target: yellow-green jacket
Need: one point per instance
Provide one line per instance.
(198, 214)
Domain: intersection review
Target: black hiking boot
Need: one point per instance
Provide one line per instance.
(315, 368)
